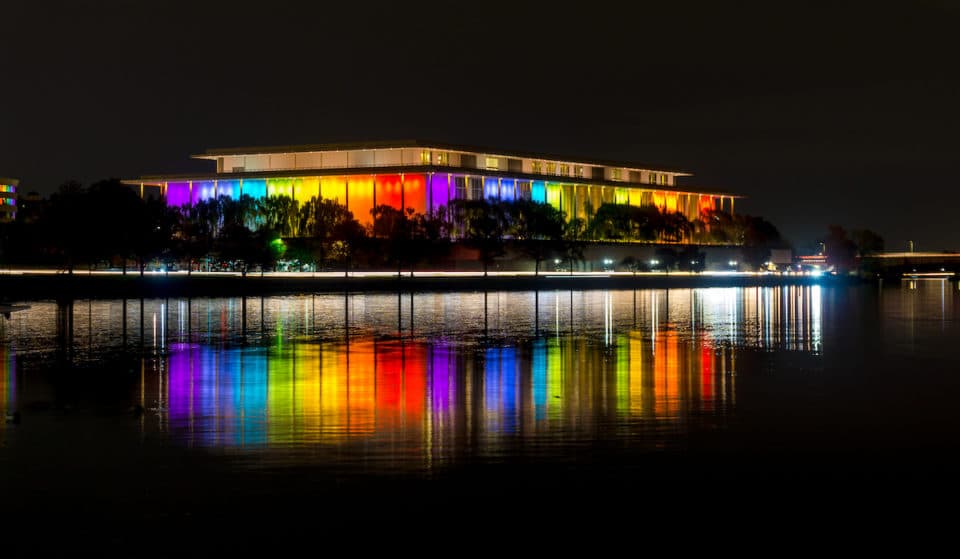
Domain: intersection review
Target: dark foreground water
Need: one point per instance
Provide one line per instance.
(546, 419)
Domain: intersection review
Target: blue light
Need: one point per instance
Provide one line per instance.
(255, 188)
(490, 189)
(538, 192)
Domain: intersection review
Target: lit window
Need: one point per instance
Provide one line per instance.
(443, 158)
(565, 170)
(536, 167)
(578, 170)
(493, 163)
(653, 178)
(663, 179)
(615, 174)
(551, 168)
(424, 157)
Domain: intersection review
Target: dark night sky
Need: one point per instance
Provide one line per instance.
(841, 113)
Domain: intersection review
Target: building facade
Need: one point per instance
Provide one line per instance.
(8, 199)
(426, 176)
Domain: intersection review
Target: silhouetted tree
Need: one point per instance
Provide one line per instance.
(691, 259)
(666, 258)
(867, 241)
(841, 251)
(320, 218)
(483, 226)
(539, 227)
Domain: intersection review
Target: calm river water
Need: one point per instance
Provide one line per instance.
(175, 410)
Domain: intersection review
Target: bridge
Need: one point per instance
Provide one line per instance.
(913, 264)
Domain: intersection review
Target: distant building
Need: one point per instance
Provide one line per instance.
(426, 176)
(8, 199)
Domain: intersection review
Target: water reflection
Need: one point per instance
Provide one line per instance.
(8, 388)
(426, 379)
(425, 394)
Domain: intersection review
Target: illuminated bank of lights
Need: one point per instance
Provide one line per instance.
(425, 192)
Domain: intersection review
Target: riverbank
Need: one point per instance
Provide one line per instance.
(33, 286)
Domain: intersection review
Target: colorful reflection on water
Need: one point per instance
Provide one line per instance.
(8, 387)
(426, 379)
(328, 393)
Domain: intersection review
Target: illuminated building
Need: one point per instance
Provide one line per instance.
(8, 199)
(426, 176)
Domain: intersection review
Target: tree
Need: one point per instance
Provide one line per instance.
(395, 226)
(278, 213)
(113, 218)
(633, 264)
(154, 233)
(841, 251)
(236, 244)
(574, 241)
(539, 227)
(483, 224)
(666, 258)
(867, 241)
(757, 237)
(319, 219)
(429, 236)
(66, 225)
(691, 259)
(347, 234)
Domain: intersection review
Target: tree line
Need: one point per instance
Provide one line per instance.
(108, 224)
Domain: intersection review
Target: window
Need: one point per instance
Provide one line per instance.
(443, 158)
(565, 170)
(536, 167)
(578, 170)
(424, 157)
(615, 174)
(460, 188)
(492, 163)
(663, 179)
(653, 178)
(523, 190)
(475, 188)
(551, 168)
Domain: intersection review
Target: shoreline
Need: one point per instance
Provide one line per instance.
(34, 286)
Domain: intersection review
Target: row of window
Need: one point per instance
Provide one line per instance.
(543, 168)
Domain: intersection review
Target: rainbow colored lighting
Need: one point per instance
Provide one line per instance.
(426, 193)
(301, 393)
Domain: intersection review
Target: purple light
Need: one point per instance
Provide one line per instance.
(178, 194)
(203, 190)
(442, 378)
(439, 191)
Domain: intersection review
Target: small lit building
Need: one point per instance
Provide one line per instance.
(426, 176)
(8, 199)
